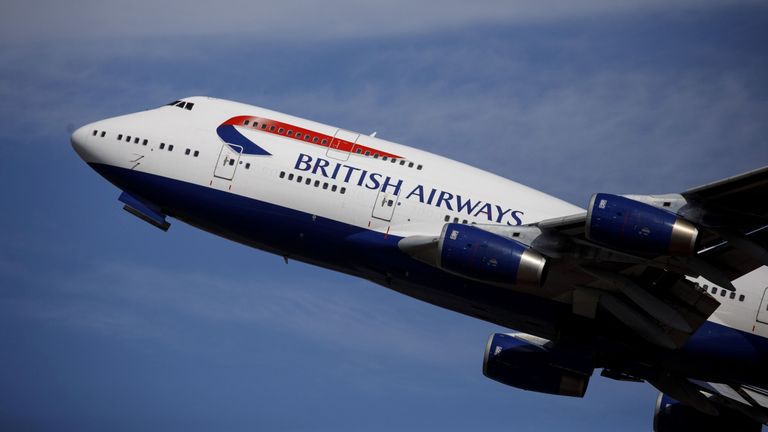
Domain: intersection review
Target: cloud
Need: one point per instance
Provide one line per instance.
(296, 19)
(145, 302)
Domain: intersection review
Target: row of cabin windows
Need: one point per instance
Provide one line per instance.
(144, 142)
(723, 292)
(324, 141)
(136, 140)
(317, 183)
(181, 104)
(447, 218)
(403, 162)
(289, 132)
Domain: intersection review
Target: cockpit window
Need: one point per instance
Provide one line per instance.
(182, 104)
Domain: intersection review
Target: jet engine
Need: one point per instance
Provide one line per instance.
(672, 416)
(628, 225)
(481, 255)
(524, 361)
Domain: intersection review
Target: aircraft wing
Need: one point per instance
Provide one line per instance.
(636, 258)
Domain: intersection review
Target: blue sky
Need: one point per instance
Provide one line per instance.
(108, 323)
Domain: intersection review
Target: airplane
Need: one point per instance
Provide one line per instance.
(668, 289)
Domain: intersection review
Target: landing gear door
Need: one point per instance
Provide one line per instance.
(342, 144)
(385, 204)
(229, 158)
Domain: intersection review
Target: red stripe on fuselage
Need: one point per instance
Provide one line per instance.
(307, 136)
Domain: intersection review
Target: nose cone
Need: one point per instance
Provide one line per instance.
(79, 140)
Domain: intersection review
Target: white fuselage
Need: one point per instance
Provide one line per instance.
(354, 179)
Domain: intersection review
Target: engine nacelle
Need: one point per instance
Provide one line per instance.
(627, 225)
(478, 254)
(672, 416)
(525, 364)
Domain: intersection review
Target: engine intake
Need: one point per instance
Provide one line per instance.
(632, 226)
(526, 364)
(484, 256)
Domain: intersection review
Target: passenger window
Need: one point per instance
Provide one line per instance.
(308, 182)
(384, 158)
(714, 289)
(248, 165)
(103, 134)
(343, 190)
(447, 218)
(282, 174)
(732, 296)
(298, 135)
(299, 179)
(375, 155)
(306, 137)
(410, 164)
(314, 139)
(402, 162)
(271, 128)
(189, 106)
(119, 137)
(290, 176)
(255, 124)
(290, 133)
(418, 167)
(128, 138)
(135, 140)
(722, 293)
(196, 153)
(317, 183)
(455, 220)
(281, 130)
(393, 160)
(162, 146)
(170, 148)
(325, 185)
(741, 297)
(187, 151)
(390, 203)
(231, 162)
(324, 142)
(144, 142)
(359, 151)
(263, 126)
(245, 122)
(95, 132)
(333, 188)
(367, 153)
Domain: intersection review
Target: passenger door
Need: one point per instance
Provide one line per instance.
(384, 207)
(229, 158)
(762, 313)
(339, 148)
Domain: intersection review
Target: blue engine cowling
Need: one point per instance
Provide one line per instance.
(524, 364)
(628, 225)
(478, 254)
(672, 416)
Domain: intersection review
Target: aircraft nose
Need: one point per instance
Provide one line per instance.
(79, 140)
